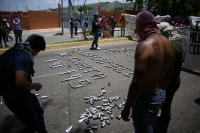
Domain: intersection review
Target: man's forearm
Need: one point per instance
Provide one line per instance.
(21, 17)
(11, 16)
(133, 94)
(26, 86)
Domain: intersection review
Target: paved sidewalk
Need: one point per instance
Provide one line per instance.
(53, 40)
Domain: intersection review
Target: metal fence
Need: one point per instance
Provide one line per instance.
(66, 19)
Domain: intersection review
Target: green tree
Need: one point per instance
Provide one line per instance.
(79, 19)
(182, 8)
(138, 5)
(90, 8)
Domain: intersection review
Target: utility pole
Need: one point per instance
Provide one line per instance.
(62, 15)
(69, 13)
(145, 5)
(123, 5)
(160, 7)
(24, 5)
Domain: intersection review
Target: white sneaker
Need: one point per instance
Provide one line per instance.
(98, 48)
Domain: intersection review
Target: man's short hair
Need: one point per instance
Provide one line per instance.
(36, 41)
(95, 14)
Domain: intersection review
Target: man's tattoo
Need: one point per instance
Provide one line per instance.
(157, 51)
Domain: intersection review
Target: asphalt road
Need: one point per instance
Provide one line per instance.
(50, 37)
(64, 105)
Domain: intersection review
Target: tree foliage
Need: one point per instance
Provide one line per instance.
(182, 8)
(138, 5)
(79, 19)
(85, 8)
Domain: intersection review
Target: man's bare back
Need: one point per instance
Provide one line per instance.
(154, 63)
(158, 52)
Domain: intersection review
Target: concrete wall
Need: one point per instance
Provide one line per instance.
(37, 19)
(43, 20)
(25, 21)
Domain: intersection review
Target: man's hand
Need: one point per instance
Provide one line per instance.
(125, 114)
(38, 86)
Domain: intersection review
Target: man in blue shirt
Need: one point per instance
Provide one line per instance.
(95, 28)
(85, 25)
(17, 91)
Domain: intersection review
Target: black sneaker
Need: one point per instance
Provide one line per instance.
(7, 46)
(92, 48)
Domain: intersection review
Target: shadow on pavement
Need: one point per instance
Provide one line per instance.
(46, 103)
(197, 101)
(191, 72)
(11, 124)
(83, 129)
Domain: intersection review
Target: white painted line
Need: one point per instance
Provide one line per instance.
(46, 75)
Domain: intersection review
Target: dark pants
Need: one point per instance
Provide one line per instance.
(3, 36)
(29, 111)
(71, 31)
(165, 117)
(76, 29)
(145, 110)
(18, 35)
(8, 35)
(96, 36)
(113, 31)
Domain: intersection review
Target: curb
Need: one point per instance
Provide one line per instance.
(70, 44)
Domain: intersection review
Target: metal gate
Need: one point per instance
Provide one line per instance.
(66, 19)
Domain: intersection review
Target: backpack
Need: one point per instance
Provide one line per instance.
(4, 76)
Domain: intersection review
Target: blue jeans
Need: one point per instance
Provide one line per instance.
(96, 36)
(122, 30)
(165, 117)
(28, 110)
(145, 110)
(18, 35)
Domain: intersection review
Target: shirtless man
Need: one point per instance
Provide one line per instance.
(154, 61)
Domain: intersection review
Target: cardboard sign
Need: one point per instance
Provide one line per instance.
(192, 60)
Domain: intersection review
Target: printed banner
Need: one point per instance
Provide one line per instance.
(192, 60)
(130, 26)
(190, 39)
